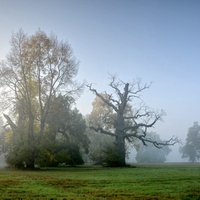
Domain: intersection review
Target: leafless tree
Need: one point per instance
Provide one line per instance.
(127, 126)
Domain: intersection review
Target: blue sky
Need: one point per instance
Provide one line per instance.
(156, 40)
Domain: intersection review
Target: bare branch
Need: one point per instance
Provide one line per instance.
(172, 141)
(102, 98)
(102, 131)
(115, 86)
(141, 125)
(113, 100)
(139, 88)
(11, 123)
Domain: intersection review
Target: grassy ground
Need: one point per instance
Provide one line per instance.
(167, 181)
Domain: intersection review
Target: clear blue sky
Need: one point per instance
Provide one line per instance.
(156, 40)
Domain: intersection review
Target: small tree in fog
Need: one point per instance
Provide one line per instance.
(191, 149)
(127, 124)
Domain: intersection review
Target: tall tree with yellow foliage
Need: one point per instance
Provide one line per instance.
(37, 69)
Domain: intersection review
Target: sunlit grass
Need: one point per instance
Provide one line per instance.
(167, 181)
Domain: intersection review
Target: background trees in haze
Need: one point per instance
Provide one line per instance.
(191, 149)
(149, 153)
(127, 123)
(98, 142)
(38, 87)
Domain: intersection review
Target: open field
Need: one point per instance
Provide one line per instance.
(165, 181)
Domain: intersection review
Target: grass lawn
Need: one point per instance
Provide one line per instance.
(164, 181)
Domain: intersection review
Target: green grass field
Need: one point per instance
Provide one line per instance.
(166, 181)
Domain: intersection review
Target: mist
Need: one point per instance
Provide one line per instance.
(2, 161)
(173, 157)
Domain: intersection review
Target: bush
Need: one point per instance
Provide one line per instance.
(111, 157)
(56, 153)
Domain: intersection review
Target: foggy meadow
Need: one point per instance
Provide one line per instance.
(99, 100)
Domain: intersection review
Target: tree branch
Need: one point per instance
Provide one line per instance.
(140, 125)
(102, 131)
(115, 86)
(102, 98)
(172, 141)
(11, 123)
(139, 88)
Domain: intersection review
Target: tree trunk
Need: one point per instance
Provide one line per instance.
(120, 142)
(31, 141)
(121, 150)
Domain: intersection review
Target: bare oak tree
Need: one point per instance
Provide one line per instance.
(128, 125)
